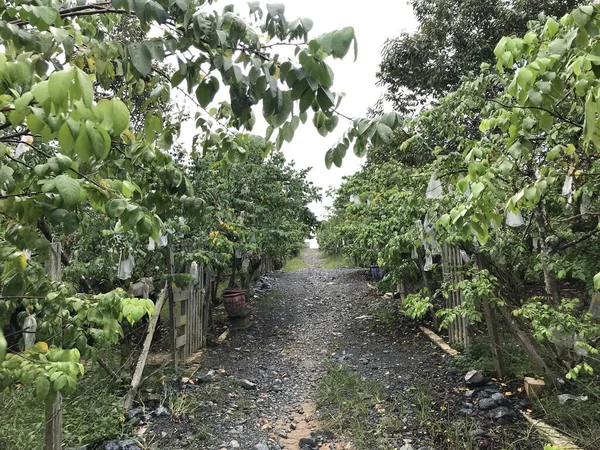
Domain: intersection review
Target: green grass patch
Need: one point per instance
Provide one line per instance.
(93, 412)
(356, 407)
(296, 263)
(334, 261)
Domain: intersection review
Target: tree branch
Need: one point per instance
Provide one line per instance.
(552, 113)
(574, 242)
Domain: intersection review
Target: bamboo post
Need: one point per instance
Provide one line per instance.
(53, 415)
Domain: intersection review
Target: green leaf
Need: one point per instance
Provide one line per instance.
(120, 116)
(83, 145)
(65, 139)
(42, 387)
(115, 207)
(58, 86)
(141, 57)
(385, 133)
(525, 77)
(68, 188)
(85, 86)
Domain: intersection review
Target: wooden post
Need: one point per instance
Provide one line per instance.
(172, 317)
(139, 369)
(53, 417)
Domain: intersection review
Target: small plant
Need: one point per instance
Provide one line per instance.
(417, 305)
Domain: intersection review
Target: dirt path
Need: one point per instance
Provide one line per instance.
(309, 318)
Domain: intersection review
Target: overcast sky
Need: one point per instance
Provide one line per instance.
(374, 21)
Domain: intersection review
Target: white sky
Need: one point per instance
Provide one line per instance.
(374, 21)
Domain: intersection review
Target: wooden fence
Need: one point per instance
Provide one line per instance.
(190, 312)
(452, 268)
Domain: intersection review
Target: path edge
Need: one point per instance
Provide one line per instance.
(548, 432)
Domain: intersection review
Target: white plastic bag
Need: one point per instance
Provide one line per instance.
(567, 188)
(163, 241)
(428, 261)
(514, 220)
(151, 244)
(194, 270)
(414, 254)
(434, 188)
(126, 267)
(585, 203)
(29, 329)
(355, 199)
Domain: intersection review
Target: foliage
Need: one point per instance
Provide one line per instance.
(90, 154)
(509, 177)
(431, 62)
(416, 306)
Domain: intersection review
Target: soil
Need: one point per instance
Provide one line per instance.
(257, 389)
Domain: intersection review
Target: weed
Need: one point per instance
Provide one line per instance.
(351, 404)
(92, 413)
(334, 261)
(295, 264)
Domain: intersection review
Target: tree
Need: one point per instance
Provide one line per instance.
(69, 149)
(454, 38)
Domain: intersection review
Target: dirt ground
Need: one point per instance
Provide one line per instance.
(258, 389)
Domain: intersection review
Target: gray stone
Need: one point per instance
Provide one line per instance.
(487, 403)
(475, 378)
(261, 446)
(128, 444)
(478, 433)
(469, 393)
(502, 413)
(247, 384)
(133, 413)
(235, 444)
(407, 447)
(500, 399)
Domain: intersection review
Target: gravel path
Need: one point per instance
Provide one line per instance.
(257, 390)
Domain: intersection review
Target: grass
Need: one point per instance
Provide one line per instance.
(354, 406)
(334, 261)
(93, 412)
(296, 263)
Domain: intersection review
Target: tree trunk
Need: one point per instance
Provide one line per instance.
(550, 284)
(528, 345)
(492, 326)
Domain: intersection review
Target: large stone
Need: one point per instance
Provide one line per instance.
(475, 378)
(503, 415)
(500, 399)
(487, 403)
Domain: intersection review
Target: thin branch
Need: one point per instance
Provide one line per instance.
(574, 242)
(552, 113)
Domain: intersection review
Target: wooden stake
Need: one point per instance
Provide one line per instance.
(139, 369)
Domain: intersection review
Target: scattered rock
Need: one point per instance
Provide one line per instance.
(261, 446)
(500, 399)
(501, 414)
(247, 384)
(487, 403)
(133, 413)
(161, 411)
(475, 378)
(235, 444)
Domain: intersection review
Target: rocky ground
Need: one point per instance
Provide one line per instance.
(259, 389)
